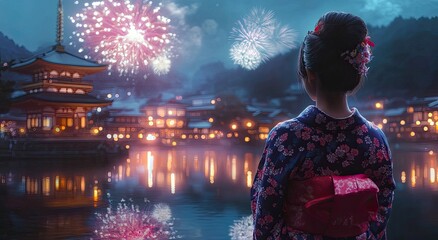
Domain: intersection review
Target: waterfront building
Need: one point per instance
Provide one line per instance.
(57, 100)
(196, 119)
(121, 122)
(415, 119)
(165, 120)
(266, 118)
(201, 117)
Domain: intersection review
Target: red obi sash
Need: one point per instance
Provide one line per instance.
(333, 206)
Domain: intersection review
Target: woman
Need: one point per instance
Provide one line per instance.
(328, 140)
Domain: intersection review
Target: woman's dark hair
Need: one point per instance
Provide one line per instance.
(321, 51)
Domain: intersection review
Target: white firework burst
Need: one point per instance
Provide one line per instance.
(283, 39)
(261, 18)
(161, 65)
(242, 229)
(162, 213)
(246, 55)
(258, 37)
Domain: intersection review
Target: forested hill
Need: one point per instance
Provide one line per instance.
(9, 50)
(406, 58)
(405, 64)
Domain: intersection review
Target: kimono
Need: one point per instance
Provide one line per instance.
(315, 144)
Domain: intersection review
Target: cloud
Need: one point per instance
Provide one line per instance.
(189, 38)
(180, 12)
(195, 36)
(382, 11)
(210, 26)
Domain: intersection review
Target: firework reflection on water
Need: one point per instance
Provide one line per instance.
(242, 229)
(128, 221)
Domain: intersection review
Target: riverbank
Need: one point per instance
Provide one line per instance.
(59, 148)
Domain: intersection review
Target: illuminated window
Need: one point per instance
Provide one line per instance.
(76, 75)
(65, 74)
(180, 124)
(83, 122)
(47, 123)
(69, 122)
(171, 123)
(33, 121)
(161, 112)
(80, 91)
(171, 112)
(53, 73)
(264, 129)
(160, 123)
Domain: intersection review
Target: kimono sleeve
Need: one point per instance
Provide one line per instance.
(268, 191)
(382, 174)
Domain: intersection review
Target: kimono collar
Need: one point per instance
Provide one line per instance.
(314, 117)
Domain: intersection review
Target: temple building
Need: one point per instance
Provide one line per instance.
(57, 100)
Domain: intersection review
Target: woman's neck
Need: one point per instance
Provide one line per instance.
(333, 104)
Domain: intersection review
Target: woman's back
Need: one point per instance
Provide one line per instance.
(315, 144)
(328, 139)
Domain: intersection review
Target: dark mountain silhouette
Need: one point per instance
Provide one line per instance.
(405, 64)
(406, 59)
(9, 50)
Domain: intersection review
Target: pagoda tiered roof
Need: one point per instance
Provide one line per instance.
(64, 99)
(58, 58)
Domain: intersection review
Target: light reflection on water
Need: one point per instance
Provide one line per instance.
(206, 189)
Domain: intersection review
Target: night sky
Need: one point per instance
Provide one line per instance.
(203, 26)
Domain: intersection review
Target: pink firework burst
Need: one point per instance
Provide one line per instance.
(126, 35)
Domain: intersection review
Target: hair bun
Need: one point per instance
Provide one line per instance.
(342, 31)
(335, 33)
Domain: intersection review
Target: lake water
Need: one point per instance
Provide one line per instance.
(206, 188)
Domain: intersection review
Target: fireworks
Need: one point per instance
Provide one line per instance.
(246, 55)
(242, 229)
(259, 37)
(129, 222)
(127, 36)
(161, 65)
(162, 213)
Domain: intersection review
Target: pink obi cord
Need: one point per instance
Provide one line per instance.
(333, 206)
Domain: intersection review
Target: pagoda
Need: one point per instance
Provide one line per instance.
(57, 100)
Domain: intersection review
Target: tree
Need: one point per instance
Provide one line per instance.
(6, 89)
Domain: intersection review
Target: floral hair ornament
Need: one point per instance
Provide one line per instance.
(360, 56)
(318, 28)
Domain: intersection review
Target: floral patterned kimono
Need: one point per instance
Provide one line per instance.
(315, 144)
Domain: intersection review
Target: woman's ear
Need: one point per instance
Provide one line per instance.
(311, 77)
(310, 83)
